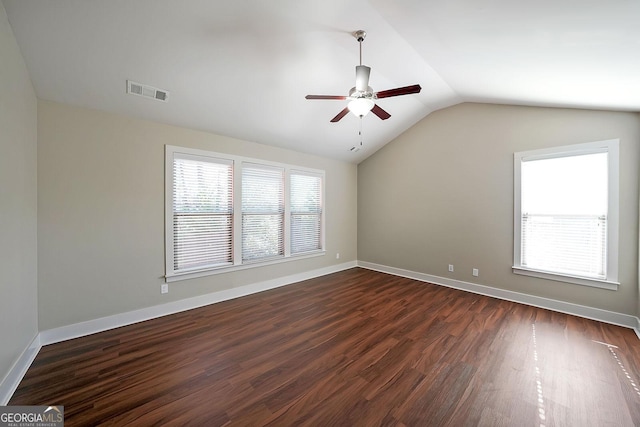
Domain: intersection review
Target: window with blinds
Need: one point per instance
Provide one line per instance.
(306, 212)
(225, 212)
(262, 212)
(202, 212)
(566, 199)
(570, 244)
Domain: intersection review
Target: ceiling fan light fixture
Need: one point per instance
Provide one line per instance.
(360, 107)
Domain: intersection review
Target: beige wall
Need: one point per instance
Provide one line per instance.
(442, 193)
(101, 213)
(18, 156)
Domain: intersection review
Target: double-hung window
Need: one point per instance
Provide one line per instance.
(262, 212)
(227, 212)
(201, 212)
(566, 213)
(306, 211)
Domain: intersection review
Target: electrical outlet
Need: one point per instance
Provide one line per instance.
(338, 255)
(164, 288)
(475, 272)
(451, 268)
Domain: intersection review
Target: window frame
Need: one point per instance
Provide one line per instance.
(611, 147)
(237, 263)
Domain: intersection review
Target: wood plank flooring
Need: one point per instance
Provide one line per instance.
(355, 348)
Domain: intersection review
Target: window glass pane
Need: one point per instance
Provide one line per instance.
(305, 233)
(565, 185)
(201, 240)
(262, 189)
(569, 244)
(305, 193)
(261, 236)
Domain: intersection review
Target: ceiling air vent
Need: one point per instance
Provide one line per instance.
(147, 91)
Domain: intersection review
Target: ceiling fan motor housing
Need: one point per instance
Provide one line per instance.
(355, 94)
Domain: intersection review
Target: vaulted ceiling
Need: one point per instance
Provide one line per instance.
(242, 68)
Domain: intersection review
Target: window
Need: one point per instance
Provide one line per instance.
(306, 212)
(280, 212)
(262, 212)
(201, 212)
(566, 213)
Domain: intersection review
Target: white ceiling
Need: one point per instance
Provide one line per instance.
(242, 68)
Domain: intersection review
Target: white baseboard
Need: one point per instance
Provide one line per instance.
(10, 383)
(89, 327)
(592, 313)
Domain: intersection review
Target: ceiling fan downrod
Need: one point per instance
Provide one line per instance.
(360, 35)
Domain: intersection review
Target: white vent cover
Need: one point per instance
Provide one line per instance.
(147, 91)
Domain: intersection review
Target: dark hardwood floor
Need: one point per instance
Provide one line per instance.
(352, 348)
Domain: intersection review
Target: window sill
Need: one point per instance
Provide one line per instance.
(228, 269)
(594, 283)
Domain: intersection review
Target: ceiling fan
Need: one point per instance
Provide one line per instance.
(361, 97)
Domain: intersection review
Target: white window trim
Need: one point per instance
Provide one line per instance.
(612, 148)
(237, 161)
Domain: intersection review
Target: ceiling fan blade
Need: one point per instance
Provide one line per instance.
(398, 91)
(340, 115)
(338, 97)
(380, 112)
(362, 77)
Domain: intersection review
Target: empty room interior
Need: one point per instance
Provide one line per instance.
(320, 213)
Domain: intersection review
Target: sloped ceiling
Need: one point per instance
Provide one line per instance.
(242, 68)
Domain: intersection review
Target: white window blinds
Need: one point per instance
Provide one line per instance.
(225, 213)
(202, 212)
(262, 212)
(306, 212)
